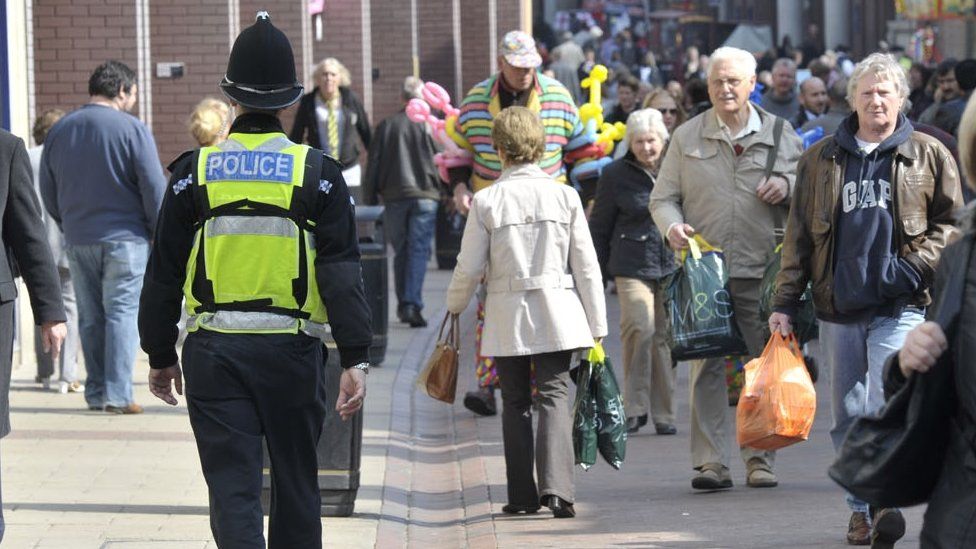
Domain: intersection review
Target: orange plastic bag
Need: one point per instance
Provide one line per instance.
(778, 402)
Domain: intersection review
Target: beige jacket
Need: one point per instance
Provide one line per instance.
(704, 184)
(526, 235)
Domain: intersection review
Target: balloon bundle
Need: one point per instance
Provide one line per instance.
(591, 150)
(457, 152)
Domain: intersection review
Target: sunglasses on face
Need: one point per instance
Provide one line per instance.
(668, 111)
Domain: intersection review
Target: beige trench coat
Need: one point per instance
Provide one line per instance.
(704, 184)
(527, 236)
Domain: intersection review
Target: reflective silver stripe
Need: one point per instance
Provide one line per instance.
(513, 284)
(254, 322)
(231, 145)
(274, 144)
(245, 225)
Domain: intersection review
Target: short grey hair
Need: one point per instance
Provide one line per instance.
(646, 121)
(737, 56)
(884, 67)
(412, 87)
(785, 62)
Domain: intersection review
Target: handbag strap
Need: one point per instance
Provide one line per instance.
(440, 333)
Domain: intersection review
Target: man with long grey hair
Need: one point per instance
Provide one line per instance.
(871, 214)
(713, 182)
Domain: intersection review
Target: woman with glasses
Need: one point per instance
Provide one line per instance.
(662, 101)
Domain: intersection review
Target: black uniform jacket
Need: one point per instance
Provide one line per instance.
(337, 267)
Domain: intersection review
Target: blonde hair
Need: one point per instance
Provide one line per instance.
(43, 123)
(967, 142)
(209, 121)
(518, 133)
(345, 79)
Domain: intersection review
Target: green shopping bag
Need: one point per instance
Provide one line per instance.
(584, 417)
(805, 322)
(701, 322)
(599, 423)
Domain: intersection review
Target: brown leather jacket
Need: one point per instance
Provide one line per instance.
(925, 193)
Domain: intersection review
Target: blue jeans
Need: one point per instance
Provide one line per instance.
(410, 226)
(855, 355)
(108, 281)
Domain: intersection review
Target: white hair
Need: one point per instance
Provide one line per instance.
(743, 59)
(882, 66)
(646, 121)
(412, 87)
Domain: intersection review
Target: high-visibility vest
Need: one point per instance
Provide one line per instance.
(252, 266)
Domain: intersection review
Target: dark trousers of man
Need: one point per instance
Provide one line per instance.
(552, 452)
(242, 389)
(7, 321)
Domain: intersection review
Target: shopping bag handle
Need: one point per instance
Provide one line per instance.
(695, 249)
(597, 355)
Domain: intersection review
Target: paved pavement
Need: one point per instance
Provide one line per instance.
(432, 475)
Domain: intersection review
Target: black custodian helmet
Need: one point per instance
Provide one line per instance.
(261, 69)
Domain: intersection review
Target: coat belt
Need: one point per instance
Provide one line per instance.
(541, 282)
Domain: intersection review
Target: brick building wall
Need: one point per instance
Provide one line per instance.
(71, 37)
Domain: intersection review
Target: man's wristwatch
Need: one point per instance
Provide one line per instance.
(364, 366)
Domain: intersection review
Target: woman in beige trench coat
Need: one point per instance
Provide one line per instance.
(527, 237)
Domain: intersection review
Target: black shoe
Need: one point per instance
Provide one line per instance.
(481, 402)
(633, 425)
(411, 315)
(887, 527)
(665, 429)
(560, 507)
(513, 509)
(642, 420)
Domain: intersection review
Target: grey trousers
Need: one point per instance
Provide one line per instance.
(68, 363)
(552, 451)
(709, 394)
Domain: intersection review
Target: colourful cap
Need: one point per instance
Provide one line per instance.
(518, 48)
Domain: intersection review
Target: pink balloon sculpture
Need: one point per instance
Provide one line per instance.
(420, 110)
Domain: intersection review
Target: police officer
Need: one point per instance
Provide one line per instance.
(258, 235)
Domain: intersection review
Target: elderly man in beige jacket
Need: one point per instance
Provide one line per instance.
(712, 182)
(527, 236)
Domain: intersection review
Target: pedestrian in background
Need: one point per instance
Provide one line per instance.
(813, 102)
(25, 253)
(528, 238)
(102, 182)
(712, 182)
(632, 253)
(837, 112)
(781, 98)
(401, 171)
(68, 361)
(948, 522)
(331, 117)
(210, 121)
(673, 115)
(271, 225)
(871, 215)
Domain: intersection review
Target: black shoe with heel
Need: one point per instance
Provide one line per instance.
(560, 507)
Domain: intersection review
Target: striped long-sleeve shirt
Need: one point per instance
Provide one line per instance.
(549, 98)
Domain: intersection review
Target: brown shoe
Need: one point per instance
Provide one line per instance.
(859, 529)
(131, 408)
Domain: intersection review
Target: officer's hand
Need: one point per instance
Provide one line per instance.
(161, 383)
(922, 349)
(773, 190)
(352, 392)
(462, 198)
(781, 322)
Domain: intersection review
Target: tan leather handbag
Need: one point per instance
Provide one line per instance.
(438, 379)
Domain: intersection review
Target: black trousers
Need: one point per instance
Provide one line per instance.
(242, 389)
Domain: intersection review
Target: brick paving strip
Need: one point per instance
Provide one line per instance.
(436, 488)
